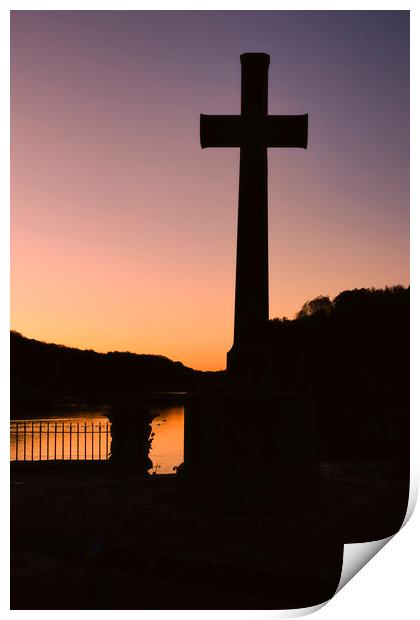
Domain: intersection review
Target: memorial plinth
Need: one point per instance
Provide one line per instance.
(249, 450)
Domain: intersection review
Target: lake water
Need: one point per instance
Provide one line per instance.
(86, 434)
(167, 449)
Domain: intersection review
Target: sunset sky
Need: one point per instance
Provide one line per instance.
(124, 231)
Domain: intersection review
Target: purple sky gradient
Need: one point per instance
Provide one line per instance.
(124, 230)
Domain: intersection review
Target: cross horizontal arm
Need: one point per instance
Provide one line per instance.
(287, 131)
(220, 130)
(267, 131)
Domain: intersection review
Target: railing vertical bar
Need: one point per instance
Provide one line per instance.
(55, 441)
(62, 441)
(17, 441)
(100, 432)
(85, 440)
(107, 439)
(24, 441)
(48, 441)
(92, 440)
(40, 440)
(32, 440)
(78, 441)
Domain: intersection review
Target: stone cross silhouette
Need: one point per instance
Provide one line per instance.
(253, 132)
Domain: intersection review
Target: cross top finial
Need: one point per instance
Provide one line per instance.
(255, 57)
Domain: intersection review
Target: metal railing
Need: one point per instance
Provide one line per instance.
(53, 441)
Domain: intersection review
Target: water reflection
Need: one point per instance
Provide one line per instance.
(167, 451)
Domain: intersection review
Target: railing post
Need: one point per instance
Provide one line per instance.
(62, 442)
(40, 442)
(85, 441)
(48, 440)
(17, 441)
(92, 439)
(24, 441)
(32, 441)
(55, 441)
(77, 441)
(107, 439)
(70, 439)
(100, 431)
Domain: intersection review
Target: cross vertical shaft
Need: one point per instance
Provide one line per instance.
(253, 131)
(251, 295)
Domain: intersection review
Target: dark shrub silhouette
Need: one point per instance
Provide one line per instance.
(352, 354)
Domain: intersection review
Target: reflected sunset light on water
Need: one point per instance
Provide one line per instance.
(167, 449)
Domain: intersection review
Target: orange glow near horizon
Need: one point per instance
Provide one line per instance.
(167, 449)
(124, 231)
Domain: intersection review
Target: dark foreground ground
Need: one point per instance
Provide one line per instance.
(85, 537)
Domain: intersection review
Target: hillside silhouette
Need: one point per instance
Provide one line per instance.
(43, 374)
